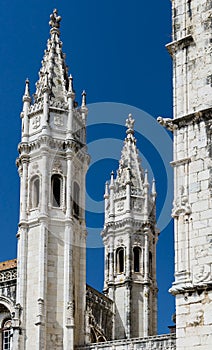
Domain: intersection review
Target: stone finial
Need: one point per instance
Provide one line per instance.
(55, 20)
(112, 178)
(130, 123)
(154, 193)
(26, 97)
(71, 91)
(83, 99)
(106, 195)
(146, 183)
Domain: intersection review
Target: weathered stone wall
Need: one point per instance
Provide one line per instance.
(191, 50)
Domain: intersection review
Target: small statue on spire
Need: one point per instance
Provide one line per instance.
(55, 19)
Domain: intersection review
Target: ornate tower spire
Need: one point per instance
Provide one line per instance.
(130, 161)
(130, 237)
(53, 66)
(52, 165)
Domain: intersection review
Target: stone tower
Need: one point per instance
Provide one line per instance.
(52, 165)
(191, 51)
(130, 238)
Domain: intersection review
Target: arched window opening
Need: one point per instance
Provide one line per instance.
(150, 263)
(35, 192)
(137, 257)
(56, 190)
(76, 200)
(120, 260)
(6, 335)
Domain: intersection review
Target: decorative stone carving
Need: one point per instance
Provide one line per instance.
(36, 122)
(201, 273)
(70, 309)
(58, 120)
(137, 205)
(120, 206)
(6, 276)
(57, 166)
(167, 123)
(16, 315)
(200, 252)
(181, 204)
(54, 20)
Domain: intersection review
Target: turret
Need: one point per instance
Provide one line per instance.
(52, 165)
(129, 237)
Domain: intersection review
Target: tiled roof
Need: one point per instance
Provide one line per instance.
(9, 264)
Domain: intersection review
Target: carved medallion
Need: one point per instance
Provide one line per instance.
(201, 273)
(58, 120)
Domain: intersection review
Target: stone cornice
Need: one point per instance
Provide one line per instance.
(180, 44)
(188, 287)
(52, 143)
(192, 118)
(135, 224)
(180, 161)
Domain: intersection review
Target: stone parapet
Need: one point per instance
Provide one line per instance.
(165, 341)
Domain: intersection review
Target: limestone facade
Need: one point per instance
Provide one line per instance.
(192, 208)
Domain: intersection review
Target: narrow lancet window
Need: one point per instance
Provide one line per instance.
(76, 200)
(6, 335)
(136, 258)
(56, 190)
(35, 192)
(150, 263)
(120, 260)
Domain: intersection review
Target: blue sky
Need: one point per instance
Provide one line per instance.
(116, 51)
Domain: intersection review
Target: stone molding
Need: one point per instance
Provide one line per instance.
(180, 44)
(193, 118)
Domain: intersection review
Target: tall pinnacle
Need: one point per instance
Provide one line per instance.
(53, 66)
(129, 164)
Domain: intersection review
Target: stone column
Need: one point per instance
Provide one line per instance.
(68, 338)
(146, 287)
